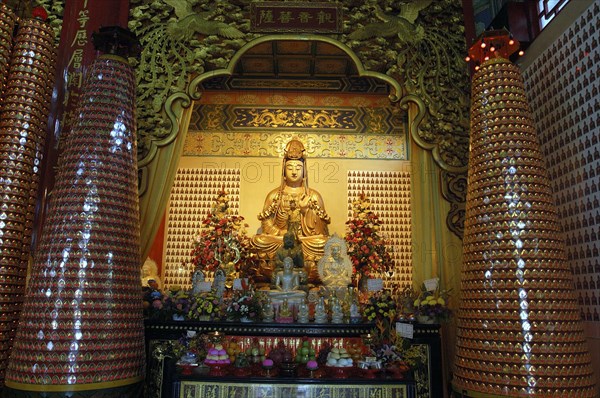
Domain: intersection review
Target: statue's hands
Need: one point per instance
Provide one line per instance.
(304, 201)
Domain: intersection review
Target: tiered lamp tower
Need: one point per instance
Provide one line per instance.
(519, 329)
(24, 110)
(81, 330)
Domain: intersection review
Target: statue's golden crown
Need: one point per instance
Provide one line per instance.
(294, 150)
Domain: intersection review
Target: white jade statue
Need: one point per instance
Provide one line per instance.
(335, 268)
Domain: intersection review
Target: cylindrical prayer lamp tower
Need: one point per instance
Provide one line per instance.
(7, 27)
(24, 113)
(519, 329)
(81, 329)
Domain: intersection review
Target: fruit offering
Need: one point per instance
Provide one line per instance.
(241, 361)
(355, 350)
(305, 352)
(280, 354)
(255, 353)
(323, 353)
(233, 349)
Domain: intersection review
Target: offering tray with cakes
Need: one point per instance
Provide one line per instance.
(218, 361)
(339, 363)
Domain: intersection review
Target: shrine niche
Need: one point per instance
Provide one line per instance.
(168, 82)
(359, 99)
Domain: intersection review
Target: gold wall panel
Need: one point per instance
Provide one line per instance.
(192, 197)
(347, 146)
(389, 194)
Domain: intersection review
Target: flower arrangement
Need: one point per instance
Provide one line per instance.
(156, 305)
(205, 306)
(432, 305)
(397, 351)
(191, 345)
(245, 305)
(394, 352)
(367, 249)
(219, 231)
(178, 301)
(380, 306)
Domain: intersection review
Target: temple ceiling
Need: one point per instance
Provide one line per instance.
(296, 65)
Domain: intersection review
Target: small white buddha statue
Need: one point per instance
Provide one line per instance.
(287, 284)
(197, 281)
(355, 315)
(219, 282)
(337, 313)
(321, 311)
(335, 268)
(303, 312)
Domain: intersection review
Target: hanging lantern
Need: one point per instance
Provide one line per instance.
(519, 331)
(84, 282)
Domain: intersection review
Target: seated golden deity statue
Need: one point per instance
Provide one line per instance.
(293, 206)
(335, 268)
(287, 283)
(150, 272)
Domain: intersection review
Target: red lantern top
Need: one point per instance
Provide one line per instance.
(40, 13)
(493, 44)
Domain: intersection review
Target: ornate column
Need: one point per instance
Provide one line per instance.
(7, 27)
(519, 331)
(24, 116)
(81, 330)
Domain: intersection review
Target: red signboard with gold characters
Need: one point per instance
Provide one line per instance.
(275, 16)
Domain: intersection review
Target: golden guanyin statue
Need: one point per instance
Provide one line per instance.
(293, 206)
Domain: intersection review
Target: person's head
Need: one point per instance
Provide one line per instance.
(288, 264)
